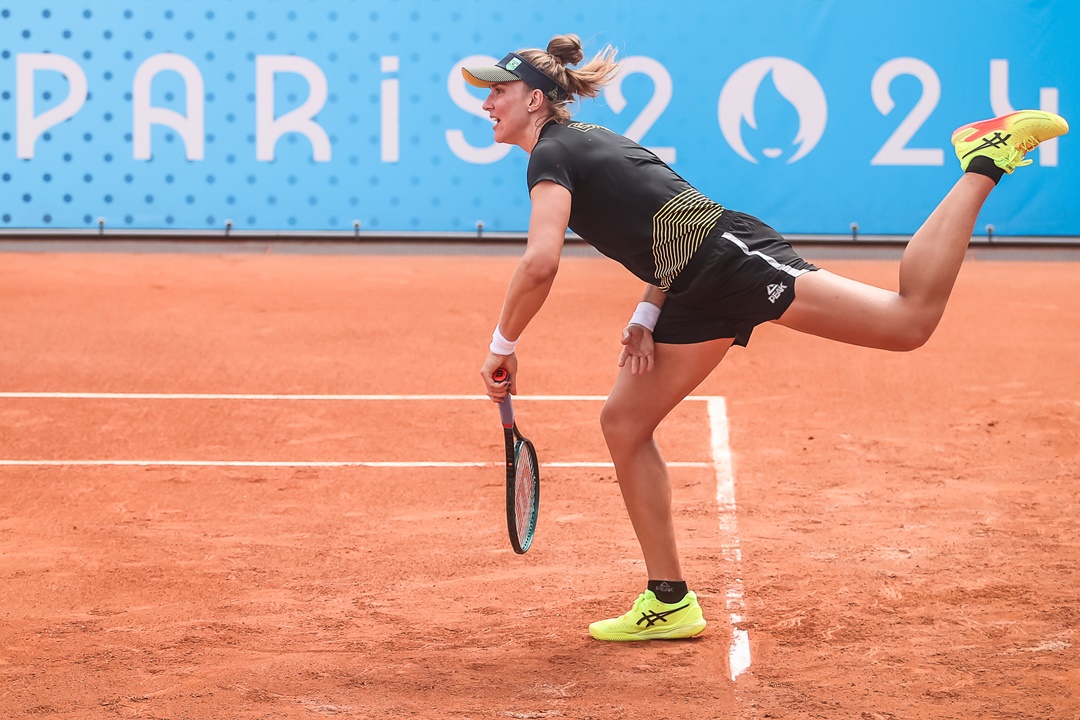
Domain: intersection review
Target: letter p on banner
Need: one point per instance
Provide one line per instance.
(29, 127)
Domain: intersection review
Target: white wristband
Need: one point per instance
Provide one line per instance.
(646, 316)
(500, 345)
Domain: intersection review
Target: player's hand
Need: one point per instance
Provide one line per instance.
(497, 391)
(638, 349)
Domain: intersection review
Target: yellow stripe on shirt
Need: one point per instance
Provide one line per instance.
(679, 228)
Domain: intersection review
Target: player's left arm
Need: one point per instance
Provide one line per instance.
(637, 340)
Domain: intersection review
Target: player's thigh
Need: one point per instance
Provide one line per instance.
(642, 401)
(838, 308)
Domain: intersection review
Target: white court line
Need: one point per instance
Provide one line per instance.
(739, 652)
(303, 398)
(311, 464)
(299, 398)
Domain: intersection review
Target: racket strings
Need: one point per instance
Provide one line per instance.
(524, 491)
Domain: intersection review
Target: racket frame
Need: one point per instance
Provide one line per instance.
(516, 444)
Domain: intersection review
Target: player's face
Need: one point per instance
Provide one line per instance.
(507, 105)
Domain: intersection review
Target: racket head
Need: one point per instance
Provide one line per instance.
(522, 495)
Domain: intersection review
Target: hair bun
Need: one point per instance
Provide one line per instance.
(566, 49)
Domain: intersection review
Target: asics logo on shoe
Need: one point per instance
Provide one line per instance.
(651, 618)
(775, 291)
(995, 141)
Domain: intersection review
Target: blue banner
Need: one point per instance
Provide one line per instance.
(315, 116)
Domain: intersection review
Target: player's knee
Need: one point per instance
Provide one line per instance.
(622, 427)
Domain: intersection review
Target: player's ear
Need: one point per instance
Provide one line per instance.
(536, 100)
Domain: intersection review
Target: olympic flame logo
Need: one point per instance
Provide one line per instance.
(795, 84)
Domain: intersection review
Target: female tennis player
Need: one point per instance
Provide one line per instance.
(711, 275)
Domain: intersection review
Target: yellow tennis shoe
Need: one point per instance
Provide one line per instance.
(650, 619)
(1006, 139)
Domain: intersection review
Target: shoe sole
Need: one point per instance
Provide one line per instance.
(677, 633)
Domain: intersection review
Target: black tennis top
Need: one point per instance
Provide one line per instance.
(626, 202)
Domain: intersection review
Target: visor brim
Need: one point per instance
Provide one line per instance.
(488, 75)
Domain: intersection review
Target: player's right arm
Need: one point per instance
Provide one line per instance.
(536, 272)
(534, 276)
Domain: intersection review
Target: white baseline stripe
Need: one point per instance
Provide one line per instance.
(739, 651)
(304, 398)
(293, 398)
(273, 397)
(311, 464)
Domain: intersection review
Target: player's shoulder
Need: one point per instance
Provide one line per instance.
(577, 144)
(580, 137)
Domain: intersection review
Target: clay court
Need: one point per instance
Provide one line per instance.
(263, 482)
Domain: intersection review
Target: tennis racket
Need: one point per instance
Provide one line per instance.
(522, 477)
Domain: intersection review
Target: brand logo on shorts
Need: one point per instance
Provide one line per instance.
(775, 291)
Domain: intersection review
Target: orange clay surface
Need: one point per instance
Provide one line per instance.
(907, 522)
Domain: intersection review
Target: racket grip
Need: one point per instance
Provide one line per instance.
(506, 411)
(506, 407)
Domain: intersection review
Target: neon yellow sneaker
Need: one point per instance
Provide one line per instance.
(651, 619)
(1006, 139)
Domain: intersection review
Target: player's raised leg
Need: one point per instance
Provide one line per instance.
(844, 310)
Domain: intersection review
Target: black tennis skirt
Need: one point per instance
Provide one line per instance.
(741, 276)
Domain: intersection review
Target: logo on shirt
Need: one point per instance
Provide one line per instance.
(775, 291)
(584, 127)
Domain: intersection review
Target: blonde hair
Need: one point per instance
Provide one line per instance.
(586, 81)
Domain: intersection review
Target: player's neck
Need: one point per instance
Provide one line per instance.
(529, 142)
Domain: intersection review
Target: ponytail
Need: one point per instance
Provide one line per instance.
(586, 81)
